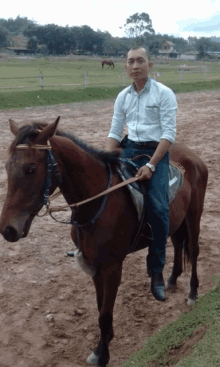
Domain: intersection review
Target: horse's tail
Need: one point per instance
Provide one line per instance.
(180, 241)
(113, 64)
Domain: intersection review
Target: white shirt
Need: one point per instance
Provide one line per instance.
(149, 115)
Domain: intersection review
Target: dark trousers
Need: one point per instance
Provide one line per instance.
(157, 201)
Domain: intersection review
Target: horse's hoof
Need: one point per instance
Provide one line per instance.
(70, 253)
(92, 359)
(190, 302)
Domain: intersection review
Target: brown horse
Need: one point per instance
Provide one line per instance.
(102, 229)
(109, 63)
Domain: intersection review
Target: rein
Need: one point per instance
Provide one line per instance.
(75, 205)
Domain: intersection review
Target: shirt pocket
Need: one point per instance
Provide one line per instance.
(152, 112)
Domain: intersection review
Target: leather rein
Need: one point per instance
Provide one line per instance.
(53, 167)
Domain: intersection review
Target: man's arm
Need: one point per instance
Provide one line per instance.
(144, 172)
(162, 148)
(112, 144)
(117, 125)
(168, 122)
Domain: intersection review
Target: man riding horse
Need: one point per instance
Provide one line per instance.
(149, 110)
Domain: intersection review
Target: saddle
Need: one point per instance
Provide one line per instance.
(138, 189)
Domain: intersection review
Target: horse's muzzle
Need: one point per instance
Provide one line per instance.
(10, 234)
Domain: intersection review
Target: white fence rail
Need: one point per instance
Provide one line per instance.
(42, 84)
(86, 82)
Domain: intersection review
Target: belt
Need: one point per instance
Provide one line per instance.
(144, 144)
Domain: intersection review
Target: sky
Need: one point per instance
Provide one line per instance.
(179, 18)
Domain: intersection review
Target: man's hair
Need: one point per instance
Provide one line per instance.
(138, 48)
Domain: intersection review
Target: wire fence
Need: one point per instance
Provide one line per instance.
(87, 80)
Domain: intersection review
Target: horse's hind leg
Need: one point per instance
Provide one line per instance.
(178, 239)
(193, 224)
(106, 283)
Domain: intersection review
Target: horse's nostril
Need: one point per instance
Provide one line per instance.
(10, 234)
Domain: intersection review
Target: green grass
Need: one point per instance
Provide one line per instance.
(207, 352)
(196, 86)
(22, 99)
(17, 72)
(156, 349)
(103, 84)
(26, 73)
(52, 97)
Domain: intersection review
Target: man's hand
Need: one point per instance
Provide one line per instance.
(144, 173)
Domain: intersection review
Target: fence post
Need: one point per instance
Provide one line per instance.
(41, 81)
(86, 80)
(181, 76)
(124, 79)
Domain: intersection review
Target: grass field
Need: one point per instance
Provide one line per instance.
(162, 349)
(18, 99)
(68, 73)
(58, 73)
(19, 79)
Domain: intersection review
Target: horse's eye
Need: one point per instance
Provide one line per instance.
(30, 169)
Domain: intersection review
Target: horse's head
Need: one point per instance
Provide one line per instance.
(26, 171)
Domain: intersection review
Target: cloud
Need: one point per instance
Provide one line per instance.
(208, 25)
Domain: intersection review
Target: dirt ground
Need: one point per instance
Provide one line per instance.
(48, 312)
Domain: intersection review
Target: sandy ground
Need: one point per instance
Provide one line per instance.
(48, 313)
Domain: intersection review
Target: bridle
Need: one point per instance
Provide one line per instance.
(52, 168)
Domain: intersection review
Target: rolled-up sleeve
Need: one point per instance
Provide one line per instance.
(168, 109)
(118, 119)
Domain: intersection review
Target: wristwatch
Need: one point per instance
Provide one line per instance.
(151, 166)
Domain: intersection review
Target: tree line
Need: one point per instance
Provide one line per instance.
(53, 39)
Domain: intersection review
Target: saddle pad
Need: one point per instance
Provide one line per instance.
(175, 180)
(137, 194)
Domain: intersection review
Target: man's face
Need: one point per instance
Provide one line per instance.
(137, 65)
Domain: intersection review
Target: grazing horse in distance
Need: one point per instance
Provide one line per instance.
(109, 63)
(42, 158)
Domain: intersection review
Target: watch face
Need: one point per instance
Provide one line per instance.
(151, 166)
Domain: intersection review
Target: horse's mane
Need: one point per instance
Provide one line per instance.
(27, 134)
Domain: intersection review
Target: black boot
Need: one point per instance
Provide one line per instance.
(158, 286)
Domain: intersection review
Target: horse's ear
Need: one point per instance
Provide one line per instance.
(47, 133)
(13, 127)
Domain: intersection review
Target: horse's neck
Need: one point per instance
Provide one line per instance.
(83, 176)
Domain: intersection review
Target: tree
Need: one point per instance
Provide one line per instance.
(51, 35)
(154, 48)
(15, 26)
(138, 25)
(206, 44)
(201, 52)
(3, 37)
(32, 45)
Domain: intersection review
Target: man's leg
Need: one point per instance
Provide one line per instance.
(158, 218)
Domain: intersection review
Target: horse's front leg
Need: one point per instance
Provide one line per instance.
(106, 283)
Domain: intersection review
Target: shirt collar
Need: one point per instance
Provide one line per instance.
(146, 86)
